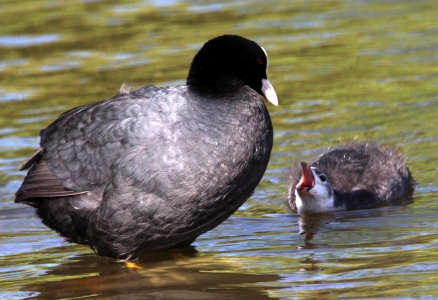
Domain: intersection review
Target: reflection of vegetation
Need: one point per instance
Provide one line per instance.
(346, 56)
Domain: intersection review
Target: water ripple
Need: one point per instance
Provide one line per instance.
(27, 40)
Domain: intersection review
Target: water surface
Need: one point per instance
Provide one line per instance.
(342, 70)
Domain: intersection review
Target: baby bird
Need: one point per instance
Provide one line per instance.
(357, 175)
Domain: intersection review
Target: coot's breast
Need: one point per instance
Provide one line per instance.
(211, 165)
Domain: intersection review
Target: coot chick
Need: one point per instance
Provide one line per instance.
(358, 175)
(157, 167)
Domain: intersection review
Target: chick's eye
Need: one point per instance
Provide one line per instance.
(260, 61)
(322, 177)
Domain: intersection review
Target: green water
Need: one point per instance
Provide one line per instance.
(342, 70)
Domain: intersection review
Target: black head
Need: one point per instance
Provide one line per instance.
(227, 63)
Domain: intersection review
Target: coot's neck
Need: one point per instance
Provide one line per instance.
(214, 87)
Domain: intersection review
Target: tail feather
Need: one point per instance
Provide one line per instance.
(40, 182)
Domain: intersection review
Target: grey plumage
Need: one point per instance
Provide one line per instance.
(152, 168)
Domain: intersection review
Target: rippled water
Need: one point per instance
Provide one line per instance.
(342, 70)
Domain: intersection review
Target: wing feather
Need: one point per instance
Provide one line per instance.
(40, 182)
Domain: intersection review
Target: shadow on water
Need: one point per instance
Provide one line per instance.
(170, 274)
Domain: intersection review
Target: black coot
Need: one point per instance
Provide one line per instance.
(157, 167)
(358, 175)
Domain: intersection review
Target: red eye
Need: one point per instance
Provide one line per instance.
(259, 61)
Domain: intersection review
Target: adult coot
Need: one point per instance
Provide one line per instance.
(358, 175)
(157, 167)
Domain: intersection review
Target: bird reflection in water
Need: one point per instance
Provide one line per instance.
(311, 225)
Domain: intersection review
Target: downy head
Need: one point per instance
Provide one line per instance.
(314, 193)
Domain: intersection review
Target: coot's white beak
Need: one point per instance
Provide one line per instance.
(269, 92)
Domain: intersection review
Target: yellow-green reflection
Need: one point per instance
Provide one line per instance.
(342, 70)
